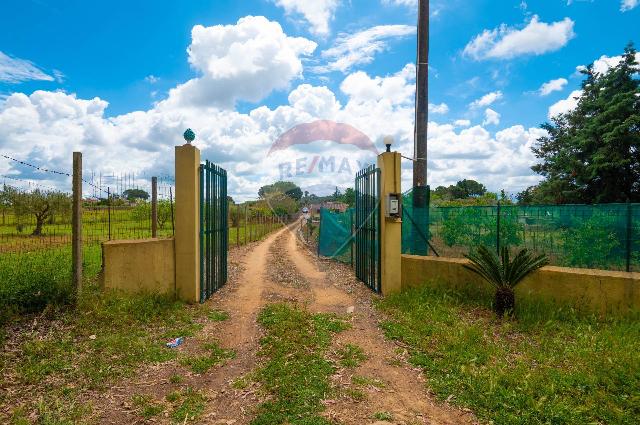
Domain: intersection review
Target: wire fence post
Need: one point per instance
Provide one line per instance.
(237, 225)
(245, 224)
(498, 230)
(109, 211)
(629, 234)
(154, 207)
(76, 220)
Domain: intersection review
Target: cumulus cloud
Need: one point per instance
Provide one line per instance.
(442, 108)
(395, 89)
(491, 117)
(361, 47)
(46, 127)
(536, 38)
(627, 5)
(15, 70)
(552, 86)
(565, 105)
(319, 13)
(486, 100)
(245, 61)
(604, 63)
(600, 66)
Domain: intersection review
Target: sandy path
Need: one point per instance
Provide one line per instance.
(242, 299)
(404, 394)
(275, 270)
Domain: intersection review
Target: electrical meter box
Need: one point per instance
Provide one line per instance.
(394, 205)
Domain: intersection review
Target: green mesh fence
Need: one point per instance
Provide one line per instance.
(603, 236)
(415, 216)
(335, 240)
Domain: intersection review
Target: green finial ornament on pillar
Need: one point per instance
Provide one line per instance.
(189, 135)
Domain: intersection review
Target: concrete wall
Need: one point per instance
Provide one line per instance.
(145, 265)
(598, 290)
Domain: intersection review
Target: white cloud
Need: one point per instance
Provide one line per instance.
(319, 13)
(565, 105)
(604, 63)
(535, 38)
(491, 117)
(627, 5)
(14, 70)
(486, 100)
(462, 123)
(151, 79)
(396, 89)
(246, 61)
(408, 3)
(442, 108)
(46, 127)
(361, 47)
(552, 86)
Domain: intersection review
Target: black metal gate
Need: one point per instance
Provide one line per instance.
(367, 227)
(214, 229)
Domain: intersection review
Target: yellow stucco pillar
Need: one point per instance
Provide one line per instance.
(187, 218)
(390, 227)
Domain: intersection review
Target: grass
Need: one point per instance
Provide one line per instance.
(187, 405)
(218, 315)
(29, 282)
(351, 356)
(104, 338)
(35, 272)
(296, 373)
(202, 363)
(147, 406)
(383, 416)
(549, 366)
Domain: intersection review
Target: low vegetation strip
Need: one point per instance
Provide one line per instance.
(548, 366)
(296, 373)
(51, 363)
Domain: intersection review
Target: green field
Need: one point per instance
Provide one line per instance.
(35, 271)
(550, 366)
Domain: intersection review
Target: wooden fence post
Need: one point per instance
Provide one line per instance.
(154, 207)
(238, 225)
(76, 222)
(245, 224)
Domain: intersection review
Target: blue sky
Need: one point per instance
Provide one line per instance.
(489, 61)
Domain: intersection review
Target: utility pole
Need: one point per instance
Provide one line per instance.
(421, 192)
(422, 97)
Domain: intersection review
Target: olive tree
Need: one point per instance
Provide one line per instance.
(41, 205)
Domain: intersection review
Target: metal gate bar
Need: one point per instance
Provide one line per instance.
(367, 227)
(214, 229)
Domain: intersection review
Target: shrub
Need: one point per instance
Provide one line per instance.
(503, 274)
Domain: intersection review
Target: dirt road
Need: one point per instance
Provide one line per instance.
(281, 269)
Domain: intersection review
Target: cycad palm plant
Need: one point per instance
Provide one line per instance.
(503, 273)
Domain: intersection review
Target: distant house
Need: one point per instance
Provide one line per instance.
(329, 205)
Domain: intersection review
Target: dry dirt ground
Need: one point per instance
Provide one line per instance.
(280, 268)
